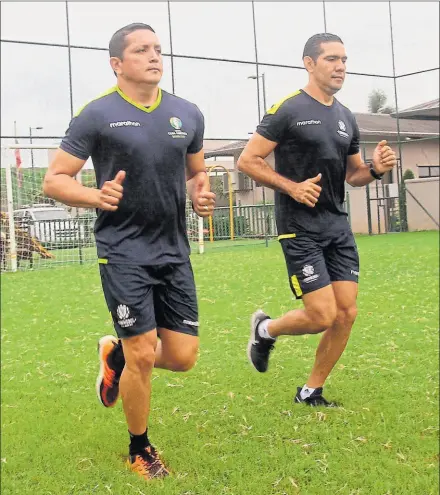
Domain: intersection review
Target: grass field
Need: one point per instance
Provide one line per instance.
(223, 428)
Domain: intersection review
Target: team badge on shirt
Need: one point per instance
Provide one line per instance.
(177, 124)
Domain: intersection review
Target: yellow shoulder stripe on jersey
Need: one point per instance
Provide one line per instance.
(103, 261)
(286, 236)
(274, 108)
(144, 109)
(108, 92)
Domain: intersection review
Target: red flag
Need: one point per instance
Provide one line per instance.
(18, 164)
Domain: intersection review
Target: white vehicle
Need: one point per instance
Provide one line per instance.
(51, 225)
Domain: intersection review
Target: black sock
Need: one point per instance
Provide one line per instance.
(138, 442)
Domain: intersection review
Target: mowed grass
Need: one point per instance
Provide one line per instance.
(223, 428)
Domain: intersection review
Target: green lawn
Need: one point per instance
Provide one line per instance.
(223, 428)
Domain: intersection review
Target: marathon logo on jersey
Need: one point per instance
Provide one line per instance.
(124, 318)
(342, 129)
(309, 122)
(309, 274)
(177, 124)
(126, 123)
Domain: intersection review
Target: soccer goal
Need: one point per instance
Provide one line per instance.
(37, 232)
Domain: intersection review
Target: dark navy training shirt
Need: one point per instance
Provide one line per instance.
(312, 138)
(151, 145)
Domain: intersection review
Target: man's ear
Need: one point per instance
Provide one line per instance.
(115, 64)
(309, 63)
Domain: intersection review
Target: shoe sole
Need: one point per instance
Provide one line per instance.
(101, 343)
(251, 338)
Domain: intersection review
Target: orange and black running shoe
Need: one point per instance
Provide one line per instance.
(111, 358)
(148, 464)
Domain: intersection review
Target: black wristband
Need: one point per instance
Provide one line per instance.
(375, 174)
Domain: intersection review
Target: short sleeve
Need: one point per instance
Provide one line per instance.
(274, 124)
(354, 145)
(197, 142)
(80, 138)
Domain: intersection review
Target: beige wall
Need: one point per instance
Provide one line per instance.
(359, 212)
(413, 153)
(427, 193)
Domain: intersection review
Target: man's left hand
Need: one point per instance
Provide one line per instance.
(384, 158)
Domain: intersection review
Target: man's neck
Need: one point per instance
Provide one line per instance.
(318, 94)
(142, 94)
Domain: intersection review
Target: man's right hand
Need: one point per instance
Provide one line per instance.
(307, 192)
(110, 194)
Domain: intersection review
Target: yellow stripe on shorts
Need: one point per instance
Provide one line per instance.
(296, 286)
(102, 261)
(286, 236)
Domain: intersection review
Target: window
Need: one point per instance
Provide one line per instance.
(426, 171)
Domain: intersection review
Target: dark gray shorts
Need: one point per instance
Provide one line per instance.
(313, 262)
(141, 298)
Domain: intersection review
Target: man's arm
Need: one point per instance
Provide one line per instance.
(252, 163)
(60, 184)
(197, 184)
(358, 172)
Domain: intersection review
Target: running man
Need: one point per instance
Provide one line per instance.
(145, 144)
(316, 144)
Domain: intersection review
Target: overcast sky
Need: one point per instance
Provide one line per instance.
(35, 81)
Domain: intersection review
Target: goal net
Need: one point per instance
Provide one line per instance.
(37, 232)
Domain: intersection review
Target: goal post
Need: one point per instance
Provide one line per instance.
(36, 231)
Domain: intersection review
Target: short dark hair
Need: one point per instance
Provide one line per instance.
(117, 43)
(313, 47)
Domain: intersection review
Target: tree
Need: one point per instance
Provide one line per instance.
(377, 102)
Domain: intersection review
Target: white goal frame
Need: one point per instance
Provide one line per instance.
(7, 165)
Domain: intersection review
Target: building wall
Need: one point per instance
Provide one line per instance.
(427, 193)
(413, 153)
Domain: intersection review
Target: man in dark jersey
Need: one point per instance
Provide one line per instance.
(145, 144)
(316, 144)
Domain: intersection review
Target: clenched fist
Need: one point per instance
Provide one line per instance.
(203, 200)
(307, 192)
(384, 158)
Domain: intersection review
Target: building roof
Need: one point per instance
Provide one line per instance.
(428, 110)
(370, 126)
(382, 124)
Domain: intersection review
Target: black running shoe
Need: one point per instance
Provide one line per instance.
(315, 399)
(259, 348)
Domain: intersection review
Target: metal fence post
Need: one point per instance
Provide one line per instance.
(10, 199)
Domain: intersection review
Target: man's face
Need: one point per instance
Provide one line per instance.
(142, 58)
(329, 69)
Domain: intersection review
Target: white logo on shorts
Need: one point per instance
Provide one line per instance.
(309, 274)
(308, 270)
(123, 314)
(191, 323)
